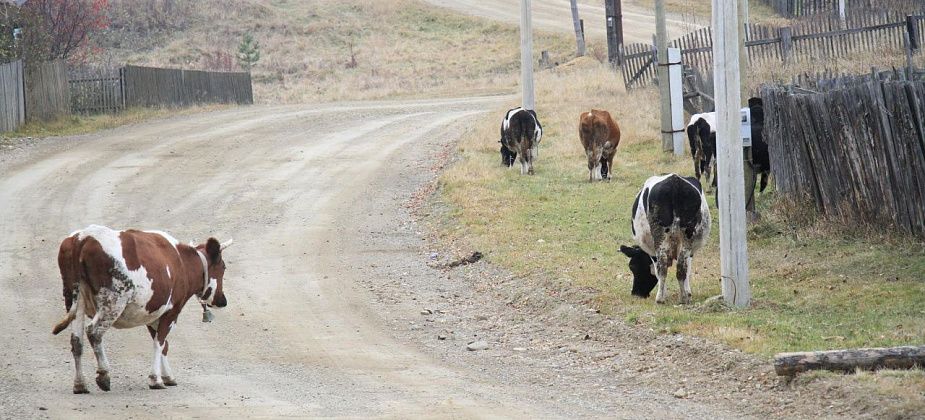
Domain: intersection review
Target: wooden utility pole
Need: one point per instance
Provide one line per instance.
(731, 194)
(614, 20)
(664, 85)
(743, 24)
(579, 31)
(526, 55)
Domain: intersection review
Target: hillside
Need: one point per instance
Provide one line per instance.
(320, 50)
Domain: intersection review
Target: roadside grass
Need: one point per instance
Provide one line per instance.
(317, 50)
(899, 393)
(813, 287)
(82, 124)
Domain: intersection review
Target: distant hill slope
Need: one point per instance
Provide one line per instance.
(315, 50)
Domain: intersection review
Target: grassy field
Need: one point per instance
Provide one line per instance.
(317, 50)
(814, 286)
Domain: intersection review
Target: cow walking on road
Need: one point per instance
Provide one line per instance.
(133, 278)
(600, 136)
(521, 133)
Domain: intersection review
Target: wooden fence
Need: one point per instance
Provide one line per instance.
(826, 37)
(798, 8)
(12, 97)
(97, 91)
(857, 153)
(46, 89)
(147, 86)
(110, 91)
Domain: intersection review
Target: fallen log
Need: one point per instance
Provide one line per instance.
(906, 357)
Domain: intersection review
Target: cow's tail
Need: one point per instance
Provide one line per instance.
(72, 272)
(66, 322)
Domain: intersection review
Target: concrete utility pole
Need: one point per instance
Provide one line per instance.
(664, 85)
(579, 31)
(731, 194)
(526, 55)
(614, 16)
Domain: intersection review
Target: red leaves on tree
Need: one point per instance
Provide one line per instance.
(62, 28)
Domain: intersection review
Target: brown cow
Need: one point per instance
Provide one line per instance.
(133, 278)
(600, 136)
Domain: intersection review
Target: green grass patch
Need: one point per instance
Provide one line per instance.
(811, 289)
(70, 125)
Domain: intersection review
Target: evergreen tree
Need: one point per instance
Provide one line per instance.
(248, 51)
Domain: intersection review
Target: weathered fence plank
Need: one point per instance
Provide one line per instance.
(12, 96)
(46, 89)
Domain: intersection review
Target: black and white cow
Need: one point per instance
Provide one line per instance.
(671, 221)
(701, 134)
(521, 133)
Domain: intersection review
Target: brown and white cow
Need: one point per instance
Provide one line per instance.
(600, 136)
(133, 278)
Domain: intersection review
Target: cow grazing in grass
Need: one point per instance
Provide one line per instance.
(671, 222)
(600, 136)
(132, 278)
(701, 134)
(521, 133)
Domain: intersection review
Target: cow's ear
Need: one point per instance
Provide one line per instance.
(213, 250)
(629, 252)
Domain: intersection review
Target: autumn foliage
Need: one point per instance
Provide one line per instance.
(62, 28)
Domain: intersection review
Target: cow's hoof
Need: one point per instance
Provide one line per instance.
(686, 301)
(155, 382)
(169, 381)
(81, 389)
(102, 381)
(660, 301)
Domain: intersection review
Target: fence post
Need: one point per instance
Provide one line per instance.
(122, 85)
(841, 12)
(786, 43)
(913, 32)
(909, 48)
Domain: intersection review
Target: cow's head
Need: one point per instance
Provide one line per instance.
(213, 294)
(643, 269)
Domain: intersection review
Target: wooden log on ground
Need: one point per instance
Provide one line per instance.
(906, 357)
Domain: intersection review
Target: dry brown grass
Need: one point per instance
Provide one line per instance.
(699, 11)
(401, 48)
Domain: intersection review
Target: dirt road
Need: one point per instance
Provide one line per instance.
(313, 196)
(556, 15)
